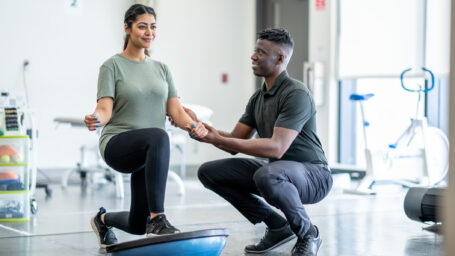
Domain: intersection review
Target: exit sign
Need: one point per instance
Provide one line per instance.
(320, 5)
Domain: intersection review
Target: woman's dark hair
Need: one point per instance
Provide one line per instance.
(131, 16)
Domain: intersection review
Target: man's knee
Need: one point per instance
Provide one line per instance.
(205, 173)
(265, 178)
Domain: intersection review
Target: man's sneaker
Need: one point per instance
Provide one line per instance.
(159, 225)
(272, 239)
(104, 233)
(308, 245)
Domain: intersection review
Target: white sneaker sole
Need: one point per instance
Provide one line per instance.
(149, 235)
(92, 223)
(273, 247)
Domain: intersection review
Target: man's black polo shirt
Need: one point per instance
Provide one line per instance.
(287, 104)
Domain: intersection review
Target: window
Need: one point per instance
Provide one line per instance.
(377, 41)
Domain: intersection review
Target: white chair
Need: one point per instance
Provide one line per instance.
(178, 140)
(97, 173)
(101, 167)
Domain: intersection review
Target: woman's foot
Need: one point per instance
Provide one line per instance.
(159, 225)
(104, 233)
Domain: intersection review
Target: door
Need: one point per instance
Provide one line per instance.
(294, 16)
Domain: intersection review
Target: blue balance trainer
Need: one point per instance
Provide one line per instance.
(208, 242)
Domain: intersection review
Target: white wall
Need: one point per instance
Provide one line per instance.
(377, 40)
(322, 46)
(65, 48)
(198, 39)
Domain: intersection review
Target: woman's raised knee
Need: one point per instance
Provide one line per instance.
(156, 136)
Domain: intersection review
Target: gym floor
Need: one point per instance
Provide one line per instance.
(349, 224)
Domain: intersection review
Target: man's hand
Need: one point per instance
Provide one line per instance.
(190, 113)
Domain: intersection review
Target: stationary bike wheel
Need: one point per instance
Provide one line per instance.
(437, 156)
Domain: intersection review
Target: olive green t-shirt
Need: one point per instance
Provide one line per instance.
(140, 90)
(287, 104)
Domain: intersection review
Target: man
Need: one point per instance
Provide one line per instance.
(283, 114)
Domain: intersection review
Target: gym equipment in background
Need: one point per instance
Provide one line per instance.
(424, 205)
(10, 181)
(436, 157)
(87, 172)
(100, 167)
(12, 210)
(10, 122)
(210, 242)
(177, 139)
(28, 126)
(14, 178)
(428, 161)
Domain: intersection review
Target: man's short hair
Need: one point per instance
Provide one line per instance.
(277, 35)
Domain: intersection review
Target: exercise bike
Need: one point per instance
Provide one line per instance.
(420, 150)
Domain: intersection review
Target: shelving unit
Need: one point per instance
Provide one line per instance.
(14, 178)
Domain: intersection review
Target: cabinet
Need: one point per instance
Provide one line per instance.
(14, 178)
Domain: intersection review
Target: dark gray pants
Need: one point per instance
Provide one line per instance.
(287, 185)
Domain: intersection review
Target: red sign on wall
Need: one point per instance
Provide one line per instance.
(320, 5)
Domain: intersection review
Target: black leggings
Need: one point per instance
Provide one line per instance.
(145, 154)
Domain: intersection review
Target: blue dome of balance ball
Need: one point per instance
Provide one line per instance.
(208, 242)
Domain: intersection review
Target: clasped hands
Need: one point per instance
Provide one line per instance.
(200, 131)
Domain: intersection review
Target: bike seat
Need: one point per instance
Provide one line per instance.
(361, 96)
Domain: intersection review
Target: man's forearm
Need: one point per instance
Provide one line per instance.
(241, 132)
(227, 135)
(232, 152)
(254, 147)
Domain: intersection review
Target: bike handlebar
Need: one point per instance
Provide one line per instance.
(420, 89)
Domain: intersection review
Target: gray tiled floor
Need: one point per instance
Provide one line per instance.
(350, 225)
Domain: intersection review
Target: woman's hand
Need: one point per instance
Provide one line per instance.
(198, 131)
(101, 115)
(92, 122)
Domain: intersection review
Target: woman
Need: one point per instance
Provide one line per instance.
(134, 95)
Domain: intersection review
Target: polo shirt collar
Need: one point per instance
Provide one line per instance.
(276, 84)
